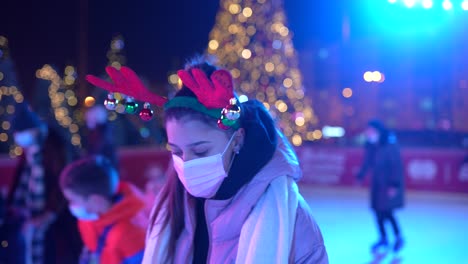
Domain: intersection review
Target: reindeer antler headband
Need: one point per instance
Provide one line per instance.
(215, 96)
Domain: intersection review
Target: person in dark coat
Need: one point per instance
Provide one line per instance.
(39, 228)
(387, 188)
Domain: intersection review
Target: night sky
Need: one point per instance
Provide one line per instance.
(159, 35)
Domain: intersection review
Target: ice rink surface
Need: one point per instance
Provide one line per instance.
(434, 225)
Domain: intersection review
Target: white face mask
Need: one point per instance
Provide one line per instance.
(82, 214)
(202, 177)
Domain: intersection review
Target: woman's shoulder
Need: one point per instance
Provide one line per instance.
(309, 246)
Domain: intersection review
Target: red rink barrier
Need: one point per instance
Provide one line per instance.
(425, 169)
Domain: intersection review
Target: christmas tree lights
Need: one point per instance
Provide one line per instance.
(251, 38)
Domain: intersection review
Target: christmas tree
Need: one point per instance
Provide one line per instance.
(10, 95)
(251, 39)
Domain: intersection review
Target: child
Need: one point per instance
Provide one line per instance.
(109, 211)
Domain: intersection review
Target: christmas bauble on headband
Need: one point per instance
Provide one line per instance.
(110, 103)
(229, 115)
(126, 82)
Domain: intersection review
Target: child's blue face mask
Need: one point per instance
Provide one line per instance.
(81, 213)
(24, 138)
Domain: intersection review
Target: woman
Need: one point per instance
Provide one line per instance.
(387, 184)
(233, 198)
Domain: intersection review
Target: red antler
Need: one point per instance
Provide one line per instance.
(126, 82)
(139, 90)
(212, 94)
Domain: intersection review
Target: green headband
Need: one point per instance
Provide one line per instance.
(194, 104)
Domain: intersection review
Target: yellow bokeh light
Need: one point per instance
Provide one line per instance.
(347, 92)
(299, 94)
(6, 125)
(73, 128)
(76, 140)
(67, 121)
(3, 137)
(267, 105)
(368, 76)
(300, 121)
(89, 101)
(255, 75)
(284, 31)
(10, 109)
(234, 9)
(69, 70)
(233, 28)
(241, 18)
(116, 65)
(18, 151)
(296, 140)
(19, 98)
(235, 73)
(317, 134)
(281, 106)
(376, 76)
(173, 79)
(288, 82)
(69, 93)
(179, 83)
(251, 30)
(246, 54)
(247, 12)
(72, 101)
(269, 67)
(213, 44)
(118, 96)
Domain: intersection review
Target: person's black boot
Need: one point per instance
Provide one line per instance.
(379, 244)
(399, 243)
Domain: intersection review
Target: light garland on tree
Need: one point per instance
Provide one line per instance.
(62, 99)
(251, 38)
(9, 96)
